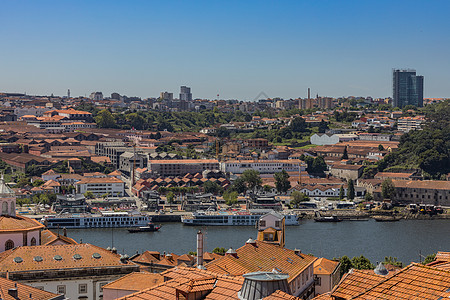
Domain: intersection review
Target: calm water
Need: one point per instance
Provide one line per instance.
(375, 240)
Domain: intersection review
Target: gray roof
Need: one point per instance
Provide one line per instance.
(4, 189)
(381, 270)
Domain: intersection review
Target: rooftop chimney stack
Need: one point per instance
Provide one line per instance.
(200, 249)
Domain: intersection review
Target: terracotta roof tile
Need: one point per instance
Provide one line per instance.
(24, 291)
(18, 223)
(280, 295)
(49, 237)
(324, 266)
(136, 281)
(416, 281)
(262, 257)
(443, 256)
(355, 282)
(58, 257)
(326, 296)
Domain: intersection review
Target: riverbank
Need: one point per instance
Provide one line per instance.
(361, 215)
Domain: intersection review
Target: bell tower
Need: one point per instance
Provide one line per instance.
(7, 199)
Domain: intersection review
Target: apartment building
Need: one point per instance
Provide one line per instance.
(101, 186)
(180, 167)
(262, 166)
(410, 123)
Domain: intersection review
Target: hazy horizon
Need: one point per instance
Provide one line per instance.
(234, 49)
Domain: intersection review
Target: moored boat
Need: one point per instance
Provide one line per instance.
(105, 219)
(232, 218)
(327, 219)
(149, 228)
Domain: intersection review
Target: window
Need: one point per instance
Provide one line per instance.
(102, 285)
(33, 242)
(318, 281)
(9, 245)
(262, 223)
(277, 224)
(268, 237)
(82, 288)
(61, 289)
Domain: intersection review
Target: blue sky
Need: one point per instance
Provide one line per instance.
(233, 48)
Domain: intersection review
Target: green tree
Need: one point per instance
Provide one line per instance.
(38, 182)
(350, 190)
(170, 197)
(212, 187)
(88, 195)
(282, 182)
(105, 119)
(239, 185)
(318, 165)
(230, 197)
(298, 125)
(44, 199)
(429, 258)
(323, 126)
(223, 132)
(368, 197)
(345, 155)
(23, 182)
(380, 147)
(297, 198)
(219, 250)
(392, 261)
(341, 193)
(267, 188)
(251, 178)
(362, 263)
(387, 189)
(346, 264)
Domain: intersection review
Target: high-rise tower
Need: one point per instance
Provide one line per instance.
(407, 88)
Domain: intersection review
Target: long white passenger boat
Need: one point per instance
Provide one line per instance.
(230, 218)
(106, 219)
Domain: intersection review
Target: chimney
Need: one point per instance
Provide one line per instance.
(231, 252)
(13, 293)
(65, 231)
(200, 249)
(251, 242)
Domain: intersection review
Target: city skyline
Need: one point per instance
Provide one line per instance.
(235, 50)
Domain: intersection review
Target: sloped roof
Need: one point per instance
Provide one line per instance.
(280, 295)
(48, 237)
(324, 266)
(91, 257)
(18, 223)
(416, 281)
(355, 282)
(136, 281)
(24, 291)
(262, 257)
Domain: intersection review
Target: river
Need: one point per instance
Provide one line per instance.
(405, 239)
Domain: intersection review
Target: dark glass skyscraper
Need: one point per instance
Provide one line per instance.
(407, 88)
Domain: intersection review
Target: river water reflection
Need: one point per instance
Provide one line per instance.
(375, 240)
